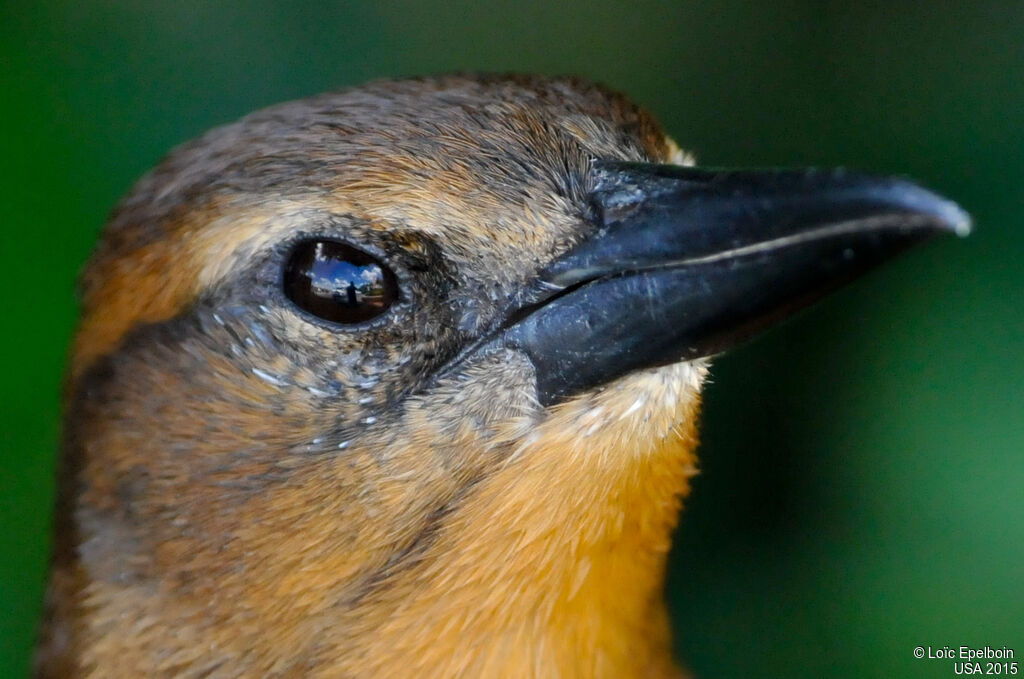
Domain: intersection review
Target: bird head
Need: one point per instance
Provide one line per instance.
(405, 379)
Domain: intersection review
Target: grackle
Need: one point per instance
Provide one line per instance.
(402, 381)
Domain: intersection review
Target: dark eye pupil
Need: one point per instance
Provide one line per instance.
(338, 282)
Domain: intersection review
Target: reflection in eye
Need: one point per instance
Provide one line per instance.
(338, 282)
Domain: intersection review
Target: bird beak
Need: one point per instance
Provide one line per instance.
(684, 263)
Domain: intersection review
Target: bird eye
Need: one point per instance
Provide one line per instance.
(338, 282)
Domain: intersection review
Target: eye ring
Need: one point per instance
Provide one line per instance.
(337, 282)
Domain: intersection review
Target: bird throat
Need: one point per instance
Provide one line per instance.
(554, 564)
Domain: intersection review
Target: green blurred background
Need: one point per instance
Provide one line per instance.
(863, 466)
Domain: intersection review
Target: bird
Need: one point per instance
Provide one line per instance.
(404, 380)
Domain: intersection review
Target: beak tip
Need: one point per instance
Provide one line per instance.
(954, 218)
(947, 215)
(960, 221)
